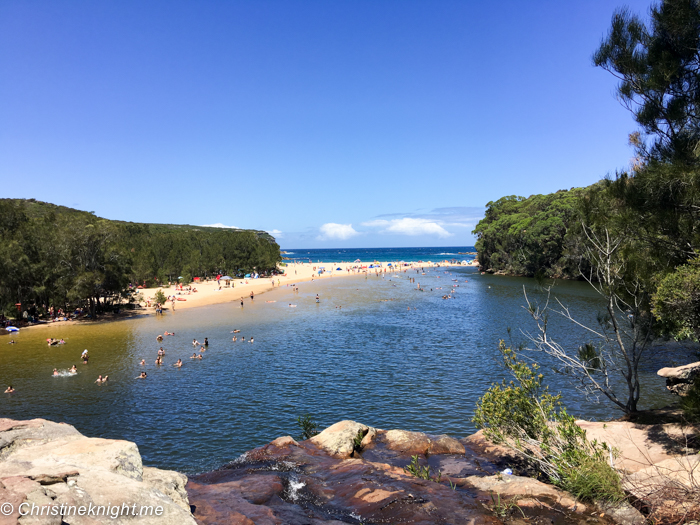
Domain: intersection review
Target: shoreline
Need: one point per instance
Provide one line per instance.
(210, 293)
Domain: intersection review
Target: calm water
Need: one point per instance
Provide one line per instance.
(373, 360)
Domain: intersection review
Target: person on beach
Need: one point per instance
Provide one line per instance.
(178, 364)
(143, 375)
(9, 390)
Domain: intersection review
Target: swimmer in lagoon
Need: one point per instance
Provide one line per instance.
(55, 371)
(99, 379)
(105, 379)
(73, 369)
(251, 339)
(143, 362)
(9, 390)
(206, 341)
(243, 339)
(193, 356)
(159, 361)
(178, 364)
(199, 356)
(143, 375)
(234, 339)
(318, 299)
(195, 342)
(161, 352)
(11, 342)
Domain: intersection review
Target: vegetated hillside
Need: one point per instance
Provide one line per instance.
(55, 254)
(531, 236)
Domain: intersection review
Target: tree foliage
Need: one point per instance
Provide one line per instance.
(658, 64)
(531, 236)
(52, 255)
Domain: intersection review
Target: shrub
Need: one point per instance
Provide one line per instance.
(159, 297)
(309, 428)
(524, 416)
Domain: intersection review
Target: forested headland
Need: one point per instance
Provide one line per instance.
(54, 255)
(642, 223)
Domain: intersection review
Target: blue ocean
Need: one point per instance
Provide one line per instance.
(381, 254)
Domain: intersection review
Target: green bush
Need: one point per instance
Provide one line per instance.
(524, 416)
(309, 427)
(159, 297)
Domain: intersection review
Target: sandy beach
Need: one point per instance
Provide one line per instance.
(211, 292)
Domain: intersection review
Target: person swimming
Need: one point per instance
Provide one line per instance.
(251, 339)
(11, 342)
(195, 342)
(206, 341)
(179, 363)
(99, 379)
(193, 356)
(73, 369)
(55, 371)
(143, 362)
(243, 339)
(159, 360)
(105, 379)
(161, 352)
(9, 389)
(143, 375)
(234, 339)
(199, 356)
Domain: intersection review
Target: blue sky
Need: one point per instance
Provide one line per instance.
(330, 124)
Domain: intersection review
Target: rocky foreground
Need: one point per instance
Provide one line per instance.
(350, 473)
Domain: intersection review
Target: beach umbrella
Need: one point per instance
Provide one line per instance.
(340, 269)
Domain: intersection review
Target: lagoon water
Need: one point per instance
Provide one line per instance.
(391, 357)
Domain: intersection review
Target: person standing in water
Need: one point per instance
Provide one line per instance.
(318, 299)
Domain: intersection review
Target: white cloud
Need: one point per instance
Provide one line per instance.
(220, 225)
(332, 230)
(409, 226)
(276, 234)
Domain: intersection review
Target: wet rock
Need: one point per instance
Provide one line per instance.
(681, 378)
(46, 463)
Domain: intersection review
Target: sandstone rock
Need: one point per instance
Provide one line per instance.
(681, 378)
(519, 486)
(46, 463)
(338, 440)
(422, 444)
(640, 446)
(678, 474)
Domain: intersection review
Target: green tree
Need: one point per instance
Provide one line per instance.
(658, 65)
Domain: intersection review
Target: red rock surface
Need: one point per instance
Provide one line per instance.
(310, 482)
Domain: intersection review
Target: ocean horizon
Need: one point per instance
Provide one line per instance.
(413, 254)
